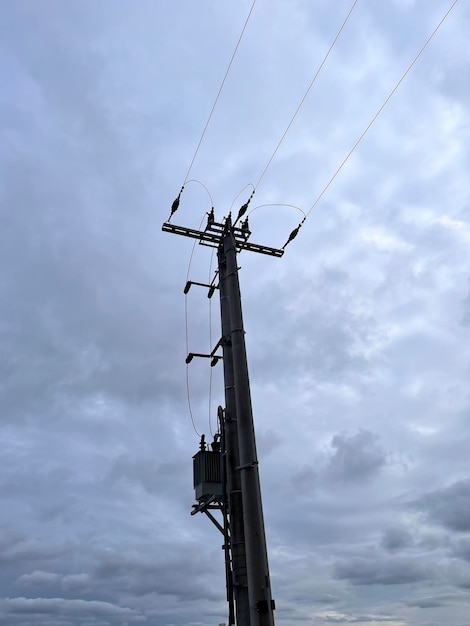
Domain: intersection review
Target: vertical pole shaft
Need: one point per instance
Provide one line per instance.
(226, 546)
(232, 459)
(259, 586)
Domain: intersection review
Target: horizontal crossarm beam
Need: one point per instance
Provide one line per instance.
(213, 238)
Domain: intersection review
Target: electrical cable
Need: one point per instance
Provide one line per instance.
(293, 206)
(188, 392)
(219, 92)
(210, 343)
(194, 180)
(260, 206)
(307, 92)
(387, 99)
(369, 125)
(240, 193)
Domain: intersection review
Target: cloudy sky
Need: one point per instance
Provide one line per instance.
(357, 339)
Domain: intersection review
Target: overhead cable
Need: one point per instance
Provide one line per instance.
(218, 94)
(386, 101)
(210, 344)
(188, 390)
(320, 67)
(260, 206)
(369, 125)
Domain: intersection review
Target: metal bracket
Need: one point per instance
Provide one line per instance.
(215, 357)
(212, 237)
(211, 503)
(212, 287)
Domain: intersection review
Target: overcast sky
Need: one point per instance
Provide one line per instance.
(357, 339)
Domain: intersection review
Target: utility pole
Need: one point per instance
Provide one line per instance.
(235, 490)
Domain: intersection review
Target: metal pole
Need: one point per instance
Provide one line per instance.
(248, 569)
(232, 461)
(259, 587)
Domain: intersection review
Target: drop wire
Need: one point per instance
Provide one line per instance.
(188, 392)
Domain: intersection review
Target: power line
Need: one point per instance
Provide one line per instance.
(240, 193)
(219, 92)
(188, 391)
(194, 180)
(186, 319)
(320, 67)
(369, 125)
(210, 344)
(260, 206)
(387, 99)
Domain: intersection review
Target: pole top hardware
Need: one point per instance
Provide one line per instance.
(213, 233)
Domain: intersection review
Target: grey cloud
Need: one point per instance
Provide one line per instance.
(433, 541)
(466, 310)
(183, 573)
(303, 481)
(324, 598)
(356, 457)
(357, 619)
(61, 606)
(37, 578)
(395, 539)
(448, 507)
(381, 571)
(327, 336)
(461, 549)
(427, 603)
(76, 581)
(267, 441)
(103, 109)
(29, 550)
(154, 477)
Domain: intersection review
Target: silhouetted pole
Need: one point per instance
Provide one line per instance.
(248, 578)
(232, 461)
(259, 586)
